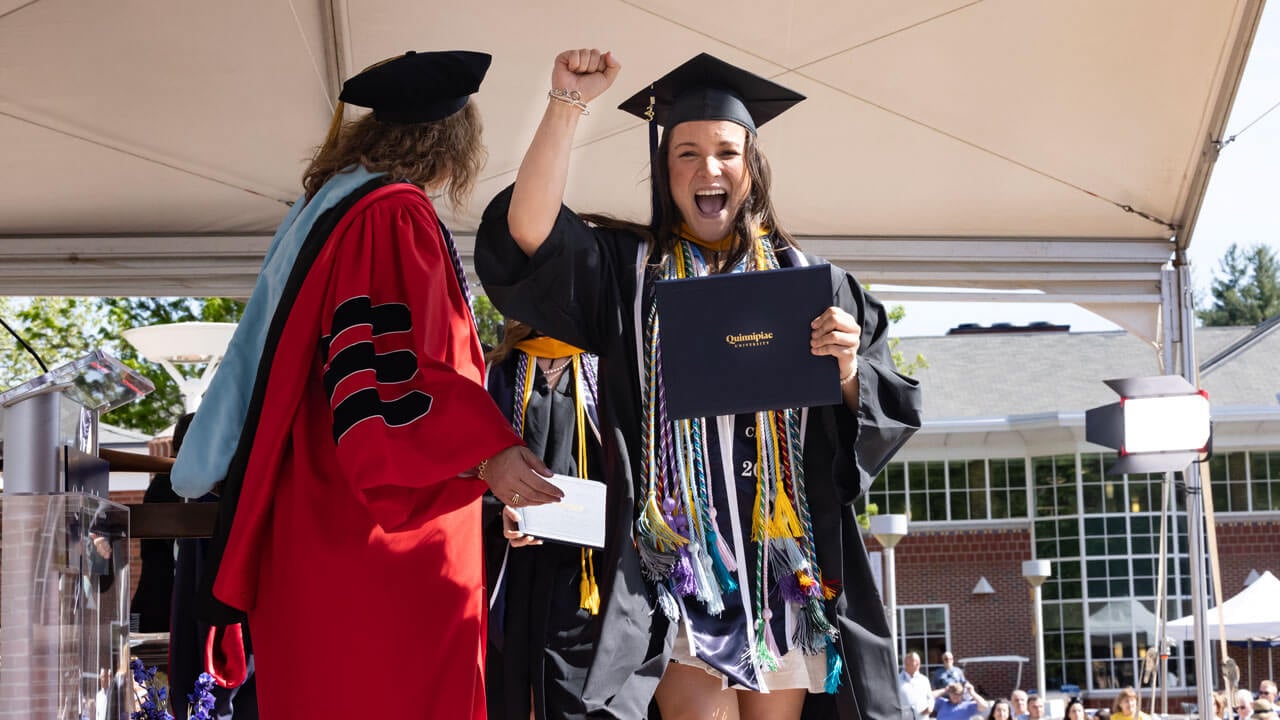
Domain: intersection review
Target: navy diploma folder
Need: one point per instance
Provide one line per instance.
(739, 342)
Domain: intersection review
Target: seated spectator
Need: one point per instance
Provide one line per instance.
(959, 702)
(948, 673)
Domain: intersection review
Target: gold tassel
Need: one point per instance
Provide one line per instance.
(587, 588)
(664, 538)
(335, 129)
(785, 521)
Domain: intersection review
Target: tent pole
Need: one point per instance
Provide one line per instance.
(1162, 600)
(1201, 647)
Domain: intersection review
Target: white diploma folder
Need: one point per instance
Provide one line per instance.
(578, 519)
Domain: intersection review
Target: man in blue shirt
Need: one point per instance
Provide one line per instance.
(948, 673)
(959, 702)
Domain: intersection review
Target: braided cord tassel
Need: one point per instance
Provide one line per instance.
(523, 388)
(813, 630)
(713, 542)
(784, 518)
(798, 487)
(764, 645)
(656, 540)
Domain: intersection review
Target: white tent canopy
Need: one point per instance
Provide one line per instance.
(1062, 149)
(1250, 614)
(1122, 617)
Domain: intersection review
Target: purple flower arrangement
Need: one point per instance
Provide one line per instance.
(153, 702)
(201, 699)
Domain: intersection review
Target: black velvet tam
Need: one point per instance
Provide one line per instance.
(418, 87)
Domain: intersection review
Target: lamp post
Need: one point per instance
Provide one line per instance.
(186, 343)
(888, 530)
(1036, 572)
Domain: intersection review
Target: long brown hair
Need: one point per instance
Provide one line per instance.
(513, 331)
(425, 154)
(757, 208)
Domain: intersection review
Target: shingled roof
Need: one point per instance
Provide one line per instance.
(1011, 373)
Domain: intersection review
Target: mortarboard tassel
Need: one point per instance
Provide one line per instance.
(655, 207)
(335, 129)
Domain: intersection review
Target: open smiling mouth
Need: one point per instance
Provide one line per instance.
(710, 202)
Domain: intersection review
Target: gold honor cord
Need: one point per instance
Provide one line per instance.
(534, 348)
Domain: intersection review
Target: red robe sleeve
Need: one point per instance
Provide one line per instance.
(403, 367)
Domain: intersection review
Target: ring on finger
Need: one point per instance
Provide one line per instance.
(515, 499)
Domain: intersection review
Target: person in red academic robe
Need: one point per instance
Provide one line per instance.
(349, 528)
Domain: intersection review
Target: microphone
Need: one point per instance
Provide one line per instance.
(23, 343)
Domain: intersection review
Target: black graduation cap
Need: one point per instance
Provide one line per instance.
(418, 87)
(708, 88)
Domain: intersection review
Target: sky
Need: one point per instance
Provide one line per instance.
(1242, 204)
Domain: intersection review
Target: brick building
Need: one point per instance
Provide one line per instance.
(1002, 473)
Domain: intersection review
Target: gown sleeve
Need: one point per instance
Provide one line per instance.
(574, 286)
(889, 404)
(401, 361)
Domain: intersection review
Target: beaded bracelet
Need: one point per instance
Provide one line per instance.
(846, 380)
(569, 97)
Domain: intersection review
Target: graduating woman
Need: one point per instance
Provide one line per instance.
(735, 571)
(544, 603)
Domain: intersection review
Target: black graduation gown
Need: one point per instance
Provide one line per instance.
(539, 637)
(580, 287)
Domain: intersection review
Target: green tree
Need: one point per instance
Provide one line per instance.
(59, 329)
(63, 328)
(896, 313)
(1247, 291)
(488, 320)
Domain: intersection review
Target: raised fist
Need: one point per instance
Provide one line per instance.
(588, 71)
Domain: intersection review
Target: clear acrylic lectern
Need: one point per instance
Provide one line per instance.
(64, 547)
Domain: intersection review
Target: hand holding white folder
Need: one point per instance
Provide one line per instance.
(577, 519)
